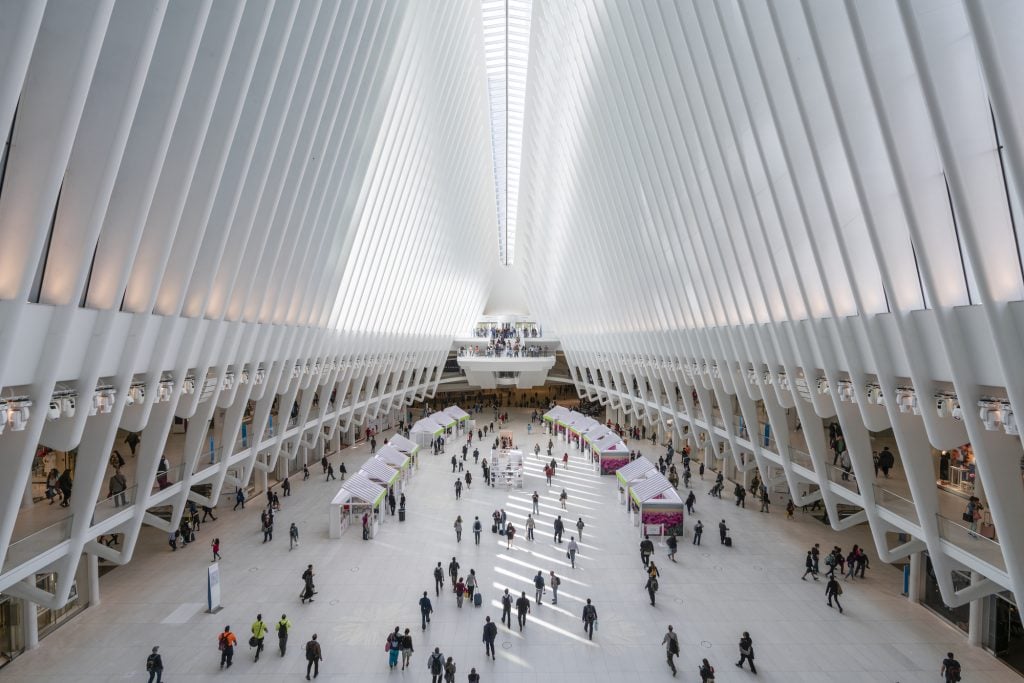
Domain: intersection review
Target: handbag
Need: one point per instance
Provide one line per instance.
(595, 624)
(253, 642)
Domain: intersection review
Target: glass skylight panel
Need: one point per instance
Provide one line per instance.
(506, 48)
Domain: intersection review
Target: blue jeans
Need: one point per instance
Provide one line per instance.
(156, 675)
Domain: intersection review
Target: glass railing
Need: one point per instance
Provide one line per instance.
(37, 543)
(897, 504)
(165, 479)
(845, 479)
(960, 534)
(108, 507)
(717, 419)
(798, 457)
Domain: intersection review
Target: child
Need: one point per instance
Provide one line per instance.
(216, 549)
(790, 507)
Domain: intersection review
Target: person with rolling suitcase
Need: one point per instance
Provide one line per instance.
(723, 533)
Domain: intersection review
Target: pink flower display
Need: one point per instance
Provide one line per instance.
(609, 464)
(669, 519)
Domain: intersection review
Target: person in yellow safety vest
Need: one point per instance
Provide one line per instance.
(283, 627)
(259, 631)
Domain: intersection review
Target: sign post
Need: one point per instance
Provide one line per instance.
(213, 588)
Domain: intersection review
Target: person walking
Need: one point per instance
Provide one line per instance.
(283, 627)
(554, 582)
(342, 470)
(698, 531)
(538, 583)
(562, 498)
(215, 546)
(330, 472)
(155, 665)
(314, 655)
(809, 567)
(579, 527)
(531, 524)
(473, 677)
(723, 532)
(239, 499)
(651, 586)
(305, 473)
(522, 609)
(449, 671)
(790, 509)
(559, 528)
(477, 528)
(259, 632)
(490, 633)
(405, 645)
(453, 571)
(458, 489)
(286, 488)
(671, 643)
(308, 589)
(458, 529)
(438, 580)
(886, 460)
(293, 536)
(510, 535)
(690, 501)
(393, 645)
(589, 619)
(425, 609)
(672, 546)
(747, 652)
(268, 528)
(471, 583)
(832, 591)
(950, 670)
(646, 549)
(571, 554)
(536, 503)
(506, 609)
(706, 671)
(226, 643)
(435, 665)
(765, 500)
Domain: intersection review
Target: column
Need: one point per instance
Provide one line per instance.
(914, 588)
(93, 567)
(260, 479)
(26, 499)
(975, 622)
(30, 622)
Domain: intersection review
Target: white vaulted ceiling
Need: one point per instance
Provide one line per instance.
(757, 201)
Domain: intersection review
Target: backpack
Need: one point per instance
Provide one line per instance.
(506, 601)
(673, 646)
(311, 648)
(282, 630)
(435, 664)
(953, 671)
(654, 583)
(438, 574)
(389, 642)
(150, 662)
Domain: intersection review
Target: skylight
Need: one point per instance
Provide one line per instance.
(506, 47)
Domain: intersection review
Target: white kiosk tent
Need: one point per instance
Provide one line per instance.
(398, 461)
(458, 413)
(583, 426)
(406, 446)
(592, 436)
(634, 471)
(379, 472)
(612, 453)
(443, 419)
(557, 413)
(357, 495)
(655, 504)
(425, 431)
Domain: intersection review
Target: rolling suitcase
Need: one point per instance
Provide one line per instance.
(477, 600)
(494, 528)
(728, 541)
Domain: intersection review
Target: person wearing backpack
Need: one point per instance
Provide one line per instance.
(589, 618)
(259, 632)
(313, 657)
(293, 536)
(435, 665)
(391, 646)
(950, 669)
(671, 643)
(155, 665)
(226, 642)
(747, 652)
(490, 634)
(538, 583)
(506, 608)
(707, 672)
(477, 527)
(438, 580)
(283, 627)
(449, 671)
(832, 591)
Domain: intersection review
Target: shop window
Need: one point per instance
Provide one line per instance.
(958, 616)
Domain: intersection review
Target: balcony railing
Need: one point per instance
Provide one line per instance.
(960, 534)
(897, 504)
(37, 543)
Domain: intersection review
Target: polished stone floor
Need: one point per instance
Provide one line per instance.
(367, 588)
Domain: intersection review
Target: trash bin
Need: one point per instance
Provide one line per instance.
(401, 514)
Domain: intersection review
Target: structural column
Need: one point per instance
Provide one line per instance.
(30, 622)
(914, 586)
(975, 625)
(93, 567)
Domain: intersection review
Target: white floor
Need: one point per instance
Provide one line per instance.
(367, 588)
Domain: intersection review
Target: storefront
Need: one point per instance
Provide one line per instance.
(956, 471)
(12, 628)
(46, 461)
(1004, 633)
(932, 598)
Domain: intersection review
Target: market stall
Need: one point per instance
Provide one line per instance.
(394, 458)
(592, 436)
(631, 472)
(460, 415)
(443, 419)
(655, 504)
(406, 446)
(380, 473)
(425, 431)
(556, 419)
(506, 439)
(507, 468)
(612, 454)
(357, 496)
